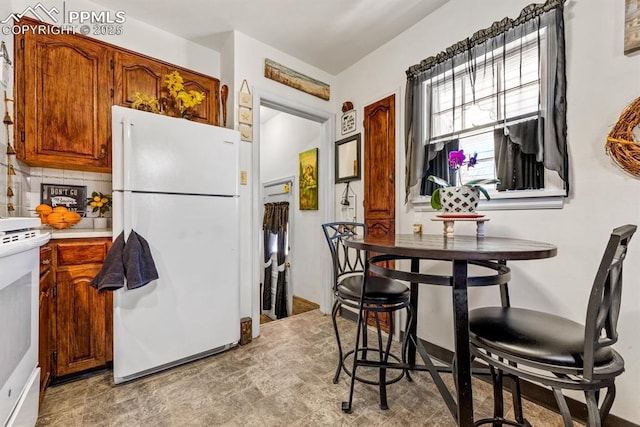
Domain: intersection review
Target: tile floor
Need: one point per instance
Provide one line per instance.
(282, 378)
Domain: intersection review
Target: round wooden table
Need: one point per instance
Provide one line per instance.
(490, 252)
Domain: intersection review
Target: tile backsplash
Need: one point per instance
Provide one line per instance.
(93, 180)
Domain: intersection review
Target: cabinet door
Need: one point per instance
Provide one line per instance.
(379, 174)
(136, 73)
(45, 349)
(64, 112)
(207, 111)
(80, 317)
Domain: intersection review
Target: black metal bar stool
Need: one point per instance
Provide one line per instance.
(554, 351)
(382, 295)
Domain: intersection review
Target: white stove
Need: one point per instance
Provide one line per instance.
(20, 239)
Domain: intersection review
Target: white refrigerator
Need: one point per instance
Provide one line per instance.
(176, 183)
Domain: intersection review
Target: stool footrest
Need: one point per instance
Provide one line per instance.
(364, 380)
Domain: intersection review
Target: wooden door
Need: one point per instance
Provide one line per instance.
(136, 73)
(81, 333)
(379, 172)
(63, 115)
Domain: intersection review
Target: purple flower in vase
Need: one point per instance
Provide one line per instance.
(456, 161)
(456, 158)
(472, 160)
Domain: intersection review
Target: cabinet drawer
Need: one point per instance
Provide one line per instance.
(76, 253)
(45, 259)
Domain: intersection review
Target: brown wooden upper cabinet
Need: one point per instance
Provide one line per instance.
(207, 112)
(65, 85)
(63, 102)
(137, 73)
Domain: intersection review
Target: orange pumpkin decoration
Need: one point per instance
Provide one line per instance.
(57, 220)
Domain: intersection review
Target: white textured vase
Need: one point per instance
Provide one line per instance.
(459, 199)
(99, 222)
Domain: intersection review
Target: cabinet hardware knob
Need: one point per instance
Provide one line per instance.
(46, 261)
(103, 151)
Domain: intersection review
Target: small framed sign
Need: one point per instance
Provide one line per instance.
(245, 116)
(73, 197)
(246, 132)
(348, 122)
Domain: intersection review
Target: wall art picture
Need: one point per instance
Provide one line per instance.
(73, 197)
(246, 132)
(296, 80)
(631, 26)
(245, 99)
(348, 122)
(309, 180)
(245, 115)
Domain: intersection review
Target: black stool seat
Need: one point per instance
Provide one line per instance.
(554, 351)
(380, 290)
(533, 335)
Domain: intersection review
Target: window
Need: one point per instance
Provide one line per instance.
(498, 88)
(502, 89)
(500, 94)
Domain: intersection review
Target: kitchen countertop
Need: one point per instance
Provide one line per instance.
(78, 233)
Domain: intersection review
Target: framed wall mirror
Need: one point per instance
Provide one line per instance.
(348, 159)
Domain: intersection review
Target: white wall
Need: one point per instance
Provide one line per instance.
(282, 139)
(601, 83)
(21, 172)
(249, 56)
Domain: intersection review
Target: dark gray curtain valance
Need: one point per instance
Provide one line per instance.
(482, 45)
(276, 216)
(498, 28)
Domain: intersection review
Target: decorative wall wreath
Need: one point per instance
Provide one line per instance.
(621, 145)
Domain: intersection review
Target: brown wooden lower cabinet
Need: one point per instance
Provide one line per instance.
(81, 311)
(80, 321)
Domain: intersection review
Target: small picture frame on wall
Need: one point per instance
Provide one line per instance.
(348, 122)
(246, 132)
(308, 172)
(245, 99)
(245, 115)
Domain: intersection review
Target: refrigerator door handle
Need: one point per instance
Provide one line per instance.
(126, 214)
(126, 153)
(126, 172)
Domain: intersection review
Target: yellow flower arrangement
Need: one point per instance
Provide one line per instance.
(178, 104)
(183, 100)
(145, 103)
(99, 202)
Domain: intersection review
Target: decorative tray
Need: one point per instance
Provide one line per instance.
(460, 215)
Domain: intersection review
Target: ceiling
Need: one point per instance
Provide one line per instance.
(328, 34)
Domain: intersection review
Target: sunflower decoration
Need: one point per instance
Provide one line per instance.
(182, 101)
(99, 202)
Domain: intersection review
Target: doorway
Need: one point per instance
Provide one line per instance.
(275, 152)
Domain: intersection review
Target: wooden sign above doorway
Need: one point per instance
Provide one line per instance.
(296, 80)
